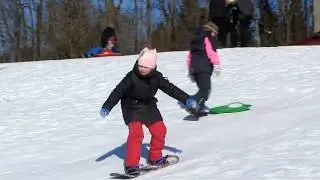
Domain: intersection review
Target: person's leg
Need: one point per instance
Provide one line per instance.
(222, 24)
(233, 35)
(203, 81)
(245, 35)
(134, 142)
(158, 133)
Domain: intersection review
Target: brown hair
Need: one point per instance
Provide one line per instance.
(211, 27)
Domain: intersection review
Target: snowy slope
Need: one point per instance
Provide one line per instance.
(50, 128)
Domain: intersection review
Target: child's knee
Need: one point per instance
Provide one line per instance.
(136, 131)
(158, 129)
(162, 129)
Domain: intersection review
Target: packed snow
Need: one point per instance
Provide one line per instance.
(50, 126)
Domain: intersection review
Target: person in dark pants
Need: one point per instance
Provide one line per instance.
(245, 15)
(218, 14)
(233, 21)
(224, 14)
(136, 92)
(202, 61)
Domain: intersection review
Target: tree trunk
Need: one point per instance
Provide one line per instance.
(149, 21)
(316, 14)
(136, 9)
(39, 28)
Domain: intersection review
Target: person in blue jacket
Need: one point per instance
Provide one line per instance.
(108, 45)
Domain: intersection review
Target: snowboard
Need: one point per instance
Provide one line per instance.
(171, 160)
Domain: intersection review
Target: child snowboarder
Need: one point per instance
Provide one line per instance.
(107, 46)
(136, 92)
(202, 61)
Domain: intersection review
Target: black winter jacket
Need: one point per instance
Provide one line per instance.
(246, 9)
(218, 9)
(137, 92)
(200, 62)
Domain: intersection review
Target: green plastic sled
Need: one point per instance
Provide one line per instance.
(230, 108)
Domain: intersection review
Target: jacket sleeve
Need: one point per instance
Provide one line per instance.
(95, 51)
(118, 92)
(211, 53)
(172, 90)
(189, 59)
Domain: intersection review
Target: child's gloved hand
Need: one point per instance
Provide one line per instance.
(217, 69)
(104, 112)
(191, 103)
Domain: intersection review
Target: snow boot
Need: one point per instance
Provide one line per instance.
(160, 162)
(132, 170)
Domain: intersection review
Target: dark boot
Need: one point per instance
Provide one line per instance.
(132, 170)
(160, 162)
(204, 110)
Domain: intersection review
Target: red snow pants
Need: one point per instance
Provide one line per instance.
(134, 142)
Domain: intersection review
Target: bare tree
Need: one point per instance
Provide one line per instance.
(169, 12)
(39, 28)
(268, 24)
(136, 10)
(113, 12)
(57, 29)
(149, 20)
